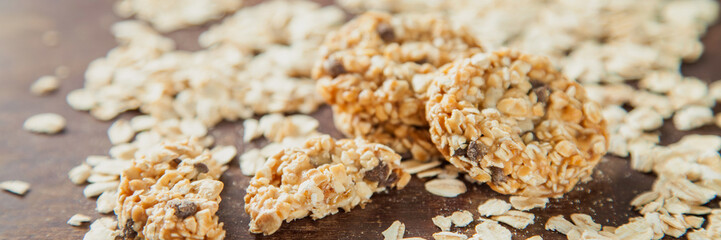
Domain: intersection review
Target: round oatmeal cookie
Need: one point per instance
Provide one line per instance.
(318, 179)
(374, 72)
(515, 122)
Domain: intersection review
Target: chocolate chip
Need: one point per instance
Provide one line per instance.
(386, 32)
(476, 150)
(542, 91)
(175, 162)
(377, 174)
(128, 231)
(393, 178)
(334, 67)
(497, 175)
(406, 155)
(459, 152)
(201, 167)
(183, 208)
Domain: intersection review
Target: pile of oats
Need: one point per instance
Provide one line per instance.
(171, 15)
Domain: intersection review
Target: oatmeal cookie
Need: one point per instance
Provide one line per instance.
(171, 193)
(318, 179)
(374, 71)
(515, 122)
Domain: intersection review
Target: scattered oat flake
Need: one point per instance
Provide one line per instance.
(429, 173)
(559, 224)
(95, 189)
(80, 173)
(120, 132)
(16, 187)
(79, 219)
(45, 85)
(102, 229)
(535, 238)
(442, 222)
(251, 130)
(395, 231)
(491, 230)
(585, 221)
(527, 203)
(516, 219)
(449, 236)
(106, 202)
(445, 187)
(48, 123)
(422, 167)
(223, 154)
(462, 218)
(637, 228)
(493, 207)
(81, 100)
(251, 161)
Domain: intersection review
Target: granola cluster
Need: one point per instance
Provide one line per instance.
(318, 179)
(172, 193)
(374, 71)
(512, 120)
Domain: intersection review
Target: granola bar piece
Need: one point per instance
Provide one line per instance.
(171, 193)
(374, 72)
(318, 179)
(515, 122)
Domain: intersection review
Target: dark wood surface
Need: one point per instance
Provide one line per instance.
(44, 160)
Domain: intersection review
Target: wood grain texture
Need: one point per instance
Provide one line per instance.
(84, 35)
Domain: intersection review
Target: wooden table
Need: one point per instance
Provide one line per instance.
(84, 35)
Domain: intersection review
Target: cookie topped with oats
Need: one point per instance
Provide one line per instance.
(172, 192)
(374, 72)
(513, 121)
(318, 179)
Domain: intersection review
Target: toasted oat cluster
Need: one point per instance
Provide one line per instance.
(171, 193)
(374, 71)
(318, 179)
(512, 120)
